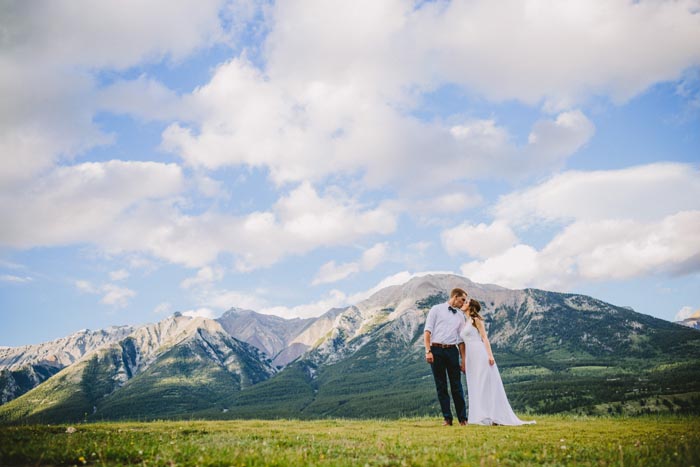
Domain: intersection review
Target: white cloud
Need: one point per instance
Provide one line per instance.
(85, 286)
(370, 259)
(114, 295)
(553, 140)
(480, 241)
(315, 129)
(200, 313)
(598, 250)
(82, 203)
(561, 52)
(644, 193)
(615, 224)
(374, 256)
(110, 34)
(452, 202)
(516, 268)
(50, 53)
(15, 279)
(163, 307)
(332, 272)
(300, 221)
(119, 275)
(205, 276)
(686, 312)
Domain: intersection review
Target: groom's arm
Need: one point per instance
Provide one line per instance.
(428, 330)
(463, 354)
(426, 343)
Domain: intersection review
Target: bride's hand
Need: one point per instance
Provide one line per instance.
(492, 362)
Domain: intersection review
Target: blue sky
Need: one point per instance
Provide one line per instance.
(292, 157)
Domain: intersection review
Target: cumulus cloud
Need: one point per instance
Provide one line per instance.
(370, 259)
(206, 275)
(298, 222)
(598, 250)
(119, 275)
(50, 52)
(687, 312)
(86, 286)
(163, 307)
(480, 241)
(433, 209)
(610, 225)
(243, 117)
(82, 203)
(200, 313)
(557, 52)
(644, 192)
(114, 295)
(332, 272)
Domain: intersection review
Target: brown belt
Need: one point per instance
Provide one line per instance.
(443, 346)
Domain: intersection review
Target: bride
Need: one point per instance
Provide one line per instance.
(488, 404)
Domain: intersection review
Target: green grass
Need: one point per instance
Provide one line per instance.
(555, 440)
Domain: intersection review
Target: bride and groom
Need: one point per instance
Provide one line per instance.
(455, 331)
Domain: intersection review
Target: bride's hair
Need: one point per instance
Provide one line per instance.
(474, 308)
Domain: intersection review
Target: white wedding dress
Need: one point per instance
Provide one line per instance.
(488, 404)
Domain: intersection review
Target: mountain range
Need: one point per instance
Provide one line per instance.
(556, 353)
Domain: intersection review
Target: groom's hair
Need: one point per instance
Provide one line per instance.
(457, 292)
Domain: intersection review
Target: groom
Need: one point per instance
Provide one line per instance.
(443, 347)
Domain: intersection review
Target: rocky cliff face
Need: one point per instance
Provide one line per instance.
(177, 356)
(271, 334)
(23, 368)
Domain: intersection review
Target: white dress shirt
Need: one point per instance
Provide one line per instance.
(445, 327)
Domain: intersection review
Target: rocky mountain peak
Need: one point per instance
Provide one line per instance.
(61, 352)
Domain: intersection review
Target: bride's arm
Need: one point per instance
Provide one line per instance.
(485, 339)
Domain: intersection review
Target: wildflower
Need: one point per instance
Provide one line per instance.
(70, 430)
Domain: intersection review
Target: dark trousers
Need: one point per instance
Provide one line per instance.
(446, 365)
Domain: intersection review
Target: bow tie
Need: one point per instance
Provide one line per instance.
(453, 310)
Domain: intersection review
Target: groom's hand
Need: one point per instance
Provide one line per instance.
(463, 367)
(429, 357)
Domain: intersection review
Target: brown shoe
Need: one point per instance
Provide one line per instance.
(447, 423)
(463, 422)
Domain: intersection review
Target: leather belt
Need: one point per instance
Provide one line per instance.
(442, 346)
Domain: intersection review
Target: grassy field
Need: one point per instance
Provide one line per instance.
(554, 440)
